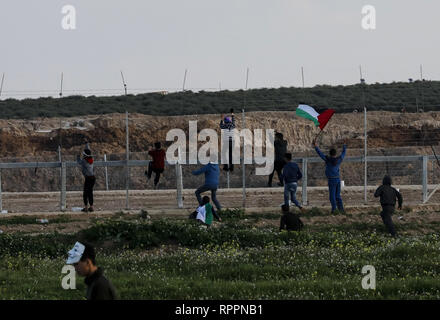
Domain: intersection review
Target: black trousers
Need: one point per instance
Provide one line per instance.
(230, 166)
(157, 171)
(88, 190)
(386, 214)
(278, 167)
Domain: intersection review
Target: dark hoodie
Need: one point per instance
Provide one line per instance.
(388, 194)
(99, 287)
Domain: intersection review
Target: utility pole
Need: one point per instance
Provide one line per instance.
(61, 86)
(123, 83)
(184, 80)
(1, 85)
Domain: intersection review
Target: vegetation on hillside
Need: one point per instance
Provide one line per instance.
(390, 97)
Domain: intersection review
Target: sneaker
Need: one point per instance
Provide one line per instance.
(84, 210)
(281, 184)
(91, 209)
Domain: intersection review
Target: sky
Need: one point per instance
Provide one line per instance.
(154, 41)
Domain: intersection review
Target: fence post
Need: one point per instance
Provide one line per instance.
(424, 178)
(227, 178)
(106, 172)
(63, 187)
(365, 155)
(1, 198)
(243, 165)
(127, 178)
(179, 188)
(304, 182)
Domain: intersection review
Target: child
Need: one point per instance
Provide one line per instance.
(206, 212)
(332, 164)
(289, 220)
(87, 170)
(158, 164)
(290, 176)
(388, 196)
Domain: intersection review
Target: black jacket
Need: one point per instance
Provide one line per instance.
(280, 149)
(290, 222)
(99, 287)
(388, 195)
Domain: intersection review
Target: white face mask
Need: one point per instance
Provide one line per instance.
(76, 253)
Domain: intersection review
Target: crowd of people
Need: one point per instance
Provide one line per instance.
(82, 256)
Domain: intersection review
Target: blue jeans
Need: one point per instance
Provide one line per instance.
(213, 190)
(290, 189)
(334, 189)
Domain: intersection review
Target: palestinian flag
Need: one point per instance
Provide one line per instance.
(320, 119)
(204, 214)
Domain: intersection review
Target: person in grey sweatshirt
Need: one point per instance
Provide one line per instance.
(86, 164)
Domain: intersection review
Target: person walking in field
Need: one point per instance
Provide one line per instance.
(280, 146)
(388, 196)
(290, 176)
(86, 164)
(212, 172)
(157, 165)
(332, 164)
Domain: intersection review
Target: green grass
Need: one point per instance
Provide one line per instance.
(21, 220)
(176, 259)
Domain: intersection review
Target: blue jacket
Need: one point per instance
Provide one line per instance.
(332, 164)
(212, 173)
(291, 172)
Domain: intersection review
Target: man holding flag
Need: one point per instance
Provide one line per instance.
(332, 161)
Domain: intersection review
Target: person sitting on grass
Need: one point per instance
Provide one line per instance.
(332, 163)
(388, 196)
(290, 221)
(82, 257)
(290, 176)
(205, 213)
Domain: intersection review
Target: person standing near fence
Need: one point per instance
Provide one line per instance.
(332, 163)
(158, 164)
(388, 196)
(227, 125)
(280, 146)
(290, 176)
(86, 164)
(212, 172)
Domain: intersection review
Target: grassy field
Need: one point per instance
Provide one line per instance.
(245, 257)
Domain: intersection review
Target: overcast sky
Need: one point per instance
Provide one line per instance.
(153, 42)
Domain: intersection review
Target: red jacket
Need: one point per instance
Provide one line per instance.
(158, 158)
